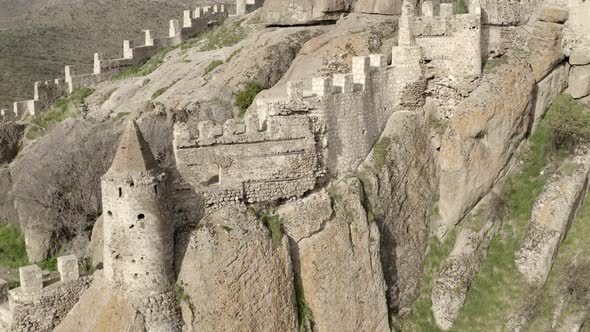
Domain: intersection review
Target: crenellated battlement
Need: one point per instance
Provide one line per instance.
(451, 43)
(283, 147)
(45, 93)
(40, 305)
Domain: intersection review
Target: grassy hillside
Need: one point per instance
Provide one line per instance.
(37, 38)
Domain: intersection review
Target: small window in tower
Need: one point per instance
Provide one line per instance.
(140, 216)
(110, 213)
(120, 192)
(131, 227)
(131, 183)
(136, 275)
(156, 189)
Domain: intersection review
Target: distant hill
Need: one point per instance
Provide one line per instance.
(39, 37)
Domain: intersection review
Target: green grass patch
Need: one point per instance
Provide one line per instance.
(49, 264)
(146, 67)
(159, 92)
(422, 319)
(460, 7)
(380, 153)
(228, 33)
(179, 293)
(570, 122)
(63, 108)
(13, 252)
(245, 96)
(573, 256)
(493, 63)
(273, 223)
(233, 54)
(303, 312)
(214, 64)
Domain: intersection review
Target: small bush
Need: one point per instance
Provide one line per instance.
(460, 7)
(13, 252)
(88, 266)
(245, 97)
(569, 121)
(180, 294)
(214, 64)
(303, 312)
(50, 264)
(273, 223)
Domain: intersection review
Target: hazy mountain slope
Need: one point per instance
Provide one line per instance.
(37, 38)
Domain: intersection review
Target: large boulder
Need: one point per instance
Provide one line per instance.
(384, 7)
(295, 12)
(234, 277)
(579, 81)
(400, 180)
(549, 88)
(11, 134)
(552, 215)
(337, 261)
(482, 137)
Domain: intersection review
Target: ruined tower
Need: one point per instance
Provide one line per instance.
(138, 234)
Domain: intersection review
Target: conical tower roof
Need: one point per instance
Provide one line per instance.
(133, 154)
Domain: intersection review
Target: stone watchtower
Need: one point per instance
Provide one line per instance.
(138, 234)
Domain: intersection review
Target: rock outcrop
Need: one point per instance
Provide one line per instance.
(458, 272)
(399, 178)
(481, 138)
(102, 308)
(295, 12)
(579, 81)
(341, 296)
(233, 277)
(552, 215)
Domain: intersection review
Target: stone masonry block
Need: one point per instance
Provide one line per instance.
(222, 8)
(187, 19)
(97, 58)
(31, 279)
(579, 81)
(206, 9)
(68, 268)
(147, 40)
(344, 82)
(197, 13)
(215, 9)
(446, 9)
(3, 290)
(321, 86)
(174, 29)
(128, 49)
(378, 61)
(427, 8)
(209, 129)
(295, 89)
(360, 69)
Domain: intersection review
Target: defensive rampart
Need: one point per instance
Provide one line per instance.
(45, 93)
(39, 305)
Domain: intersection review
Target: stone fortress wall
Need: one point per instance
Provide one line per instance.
(39, 305)
(244, 7)
(286, 145)
(45, 93)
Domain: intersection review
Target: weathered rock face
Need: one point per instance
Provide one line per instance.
(551, 218)
(102, 308)
(337, 262)
(95, 248)
(392, 7)
(459, 269)
(549, 88)
(292, 12)
(10, 137)
(579, 81)
(400, 179)
(233, 276)
(580, 56)
(481, 138)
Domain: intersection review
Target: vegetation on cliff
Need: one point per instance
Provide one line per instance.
(13, 252)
